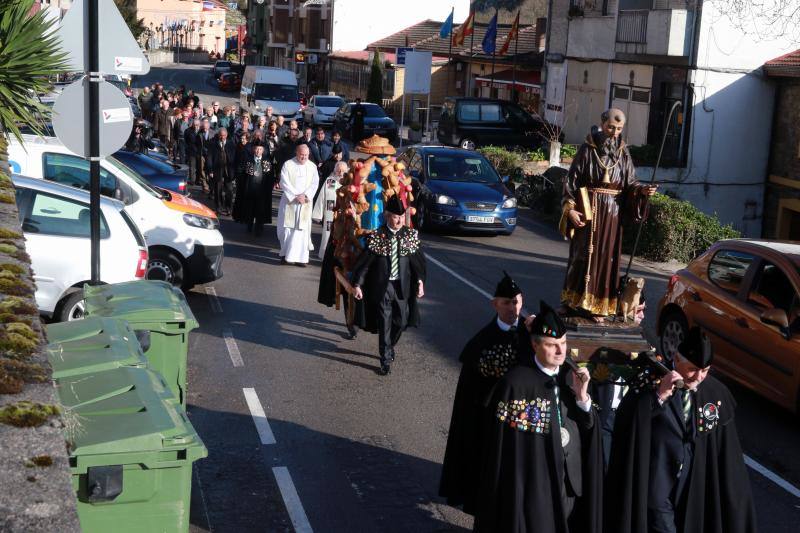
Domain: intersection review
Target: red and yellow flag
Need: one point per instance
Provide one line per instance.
(511, 36)
(464, 30)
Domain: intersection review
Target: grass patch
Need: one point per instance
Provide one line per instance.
(27, 414)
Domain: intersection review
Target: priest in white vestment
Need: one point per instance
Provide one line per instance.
(299, 182)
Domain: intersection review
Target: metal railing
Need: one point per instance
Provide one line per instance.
(632, 26)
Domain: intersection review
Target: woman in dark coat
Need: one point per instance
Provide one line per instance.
(242, 156)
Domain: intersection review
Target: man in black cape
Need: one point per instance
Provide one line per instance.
(543, 466)
(254, 198)
(486, 358)
(391, 271)
(676, 463)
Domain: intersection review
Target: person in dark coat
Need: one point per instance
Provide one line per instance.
(327, 167)
(486, 358)
(287, 149)
(676, 462)
(138, 141)
(320, 148)
(221, 165)
(256, 195)
(192, 151)
(391, 271)
(336, 140)
(179, 135)
(543, 467)
(244, 151)
(357, 117)
(203, 140)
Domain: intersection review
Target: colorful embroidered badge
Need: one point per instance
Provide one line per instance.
(522, 415)
(380, 243)
(708, 416)
(495, 361)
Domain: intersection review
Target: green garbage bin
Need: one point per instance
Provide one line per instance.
(131, 451)
(92, 345)
(157, 309)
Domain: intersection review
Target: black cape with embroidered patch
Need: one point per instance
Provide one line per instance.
(485, 359)
(718, 496)
(521, 478)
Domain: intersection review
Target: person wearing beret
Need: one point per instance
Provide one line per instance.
(543, 465)
(676, 462)
(485, 359)
(391, 271)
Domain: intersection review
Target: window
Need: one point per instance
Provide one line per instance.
(74, 171)
(772, 289)
(623, 93)
(460, 167)
(641, 96)
(727, 270)
(470, 112)
(491, 112)
(52, 215)
(416, 164)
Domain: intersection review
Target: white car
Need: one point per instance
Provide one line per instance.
(320, 110)
(55, 222)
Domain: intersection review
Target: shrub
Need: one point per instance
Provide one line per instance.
(568, 150)
(675, 229)
(537, 155)
(505, 161)
(644, 155)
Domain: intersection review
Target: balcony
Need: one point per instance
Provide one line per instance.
(659, 32)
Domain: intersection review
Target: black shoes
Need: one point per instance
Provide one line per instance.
(351, 333)
(385, 369)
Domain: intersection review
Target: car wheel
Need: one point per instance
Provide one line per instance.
(673, 331)
(421, 222)
(165, 266)
(467, 144)
(72, 307)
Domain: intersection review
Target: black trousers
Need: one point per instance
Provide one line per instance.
(392, 319)
(223, 193)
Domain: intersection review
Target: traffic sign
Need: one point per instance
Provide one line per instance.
(401, 54)
(70, 122)
(119, 51)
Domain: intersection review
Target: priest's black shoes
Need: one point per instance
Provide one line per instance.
(385, 369)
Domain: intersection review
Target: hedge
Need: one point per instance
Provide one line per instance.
(675, 229)
(505, 161)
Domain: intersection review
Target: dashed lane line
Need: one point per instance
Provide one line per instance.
(291, 500)
(233, 348)
(758, 467)
(212, 296)
(259, 417)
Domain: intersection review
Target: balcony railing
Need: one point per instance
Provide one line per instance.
(632, 26)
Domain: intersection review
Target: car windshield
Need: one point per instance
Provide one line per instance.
(455, 166)
(328, 101)
(135, 177)
(223, 64)
(272, 91)
(374, 111)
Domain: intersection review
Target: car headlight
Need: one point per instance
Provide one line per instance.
(202, 222)
(445, 200)
(509, 203)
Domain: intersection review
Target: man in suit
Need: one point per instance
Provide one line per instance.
(221, 163)
(203, 140)
(192, 154)
(391, 271)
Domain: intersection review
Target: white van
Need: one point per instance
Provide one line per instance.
(270, 86)
(183, 238)
(55, 222)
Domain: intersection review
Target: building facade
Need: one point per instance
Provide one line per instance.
(190, 24)
(643, 55)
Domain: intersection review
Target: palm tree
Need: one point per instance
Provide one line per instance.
(29, 54)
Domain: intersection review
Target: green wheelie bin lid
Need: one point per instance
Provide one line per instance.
(92, 345)
(146, 304)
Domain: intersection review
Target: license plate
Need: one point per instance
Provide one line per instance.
(481, 220)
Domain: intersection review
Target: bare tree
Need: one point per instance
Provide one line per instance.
(762, 19)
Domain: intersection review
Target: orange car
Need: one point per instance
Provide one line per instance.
(230, 81)
(744, 294)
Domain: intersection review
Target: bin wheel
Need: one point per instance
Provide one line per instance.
(71, 307)
(165, 266)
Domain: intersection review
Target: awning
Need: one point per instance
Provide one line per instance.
(524, 81)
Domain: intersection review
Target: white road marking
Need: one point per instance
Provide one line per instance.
(233, 348)
(772, 476)
(259, 417)
(291, 500)
(212, 295)
(758, 467)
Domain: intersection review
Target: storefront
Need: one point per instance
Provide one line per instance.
(522, 86)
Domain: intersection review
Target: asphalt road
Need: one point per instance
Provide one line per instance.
(342, 449)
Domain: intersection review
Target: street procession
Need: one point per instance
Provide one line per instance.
(341, 266)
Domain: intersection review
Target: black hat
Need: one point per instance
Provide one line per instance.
(395, 206)
(696, 348)
(507, 288)
(337, 149)
(547, 323)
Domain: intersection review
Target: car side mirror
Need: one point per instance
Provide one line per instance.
(777, 317)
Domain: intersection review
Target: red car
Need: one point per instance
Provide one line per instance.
(230, 81)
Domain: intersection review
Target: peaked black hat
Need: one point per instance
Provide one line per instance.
(696, 348)
(507, 287)
(394, 206)
(547, 323)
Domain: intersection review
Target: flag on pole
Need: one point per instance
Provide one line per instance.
(447, 28)
(488, 44)
(465, 30)
(511, 36)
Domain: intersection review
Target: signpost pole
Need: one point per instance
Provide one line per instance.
(402, 116)
(93, 113)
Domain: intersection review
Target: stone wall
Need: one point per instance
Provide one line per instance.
(35, 492)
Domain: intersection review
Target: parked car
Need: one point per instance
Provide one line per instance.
(376, 122)
(157, 173)
(230, 81)
(220, 67)
(744, 294)
(459, 189)
(184, 243)
(473, 122)
(321, 109)
(55, 222)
